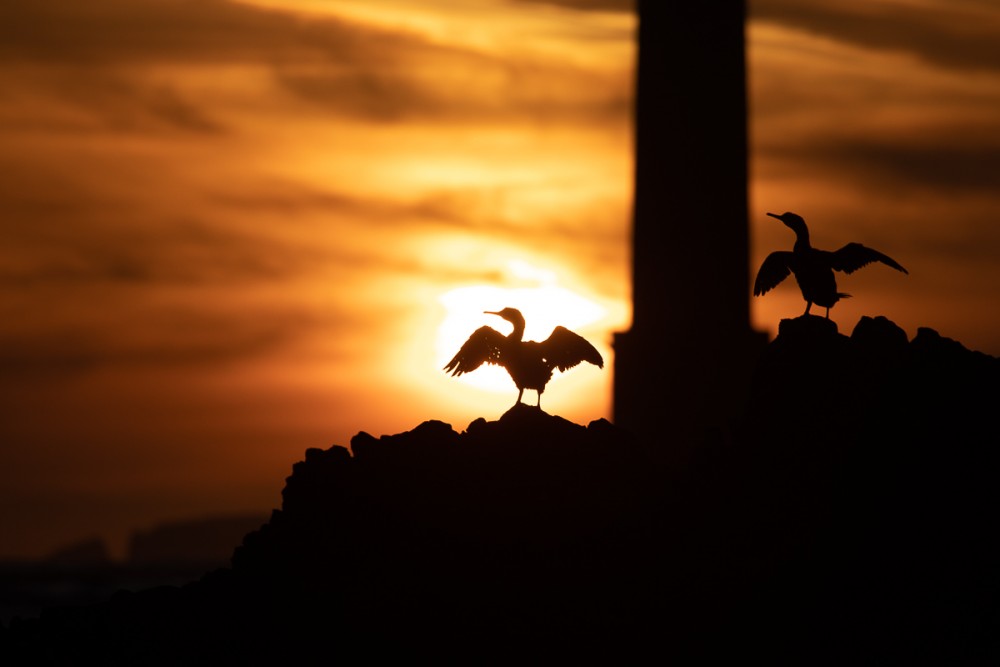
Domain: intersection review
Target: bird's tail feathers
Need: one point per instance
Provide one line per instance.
(842, 295)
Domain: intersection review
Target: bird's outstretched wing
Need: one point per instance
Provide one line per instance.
(483, 346)
(775, 268)
(565, 349)
(853, 256)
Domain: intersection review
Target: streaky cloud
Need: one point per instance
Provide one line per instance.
(588, 5)
(960, 34)
(346, 67)
(945, 167)
(125, 32)
(188, 339)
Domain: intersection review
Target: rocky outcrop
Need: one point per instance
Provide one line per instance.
(849, 514)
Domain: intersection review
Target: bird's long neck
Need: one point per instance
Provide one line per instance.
(518, 332)
(801, 237)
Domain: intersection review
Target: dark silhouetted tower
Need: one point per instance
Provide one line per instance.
(684, 364)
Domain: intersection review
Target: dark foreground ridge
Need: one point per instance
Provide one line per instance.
(850, 518)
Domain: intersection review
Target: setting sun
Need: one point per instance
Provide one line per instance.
(544, 307)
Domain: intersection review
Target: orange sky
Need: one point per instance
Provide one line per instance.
(233, 230)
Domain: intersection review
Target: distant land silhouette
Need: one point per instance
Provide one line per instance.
(205, 541)
(813, 268)
(84, 572)
(89, 552)
(529, 363)
(849, 518)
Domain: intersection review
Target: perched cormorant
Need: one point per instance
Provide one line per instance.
(814, 268)
(529, 363)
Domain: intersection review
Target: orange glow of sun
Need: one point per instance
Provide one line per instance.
(544, 307)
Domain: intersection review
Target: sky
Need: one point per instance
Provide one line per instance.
(236, 229)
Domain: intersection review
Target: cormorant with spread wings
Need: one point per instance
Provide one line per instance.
(813, 268)
(529, 363)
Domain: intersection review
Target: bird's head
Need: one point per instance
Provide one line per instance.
(512, 315)
(792, 220)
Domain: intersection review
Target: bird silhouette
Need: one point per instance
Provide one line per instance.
(813, 268)
(529, 363)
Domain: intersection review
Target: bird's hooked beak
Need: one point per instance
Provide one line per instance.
(508, 314)
(790, 220)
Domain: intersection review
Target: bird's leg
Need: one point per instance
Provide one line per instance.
(809, 304)
(539, 404)
(520, 393)
(827, 313)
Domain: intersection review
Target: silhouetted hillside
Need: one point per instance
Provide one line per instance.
(850, 515)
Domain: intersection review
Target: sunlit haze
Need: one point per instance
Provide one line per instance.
(237, 230)
(545, 306)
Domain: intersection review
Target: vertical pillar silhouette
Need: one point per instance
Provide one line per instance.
(684, 364)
